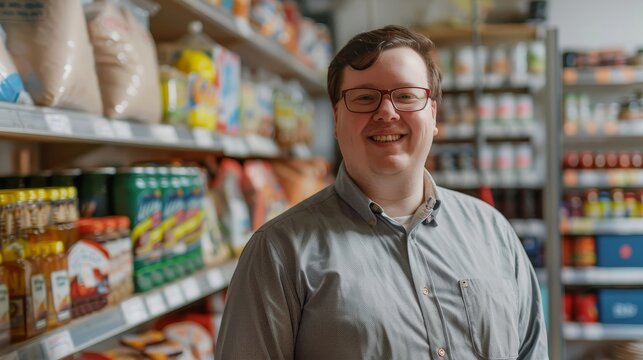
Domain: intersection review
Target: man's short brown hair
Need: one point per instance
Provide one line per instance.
(364, 49)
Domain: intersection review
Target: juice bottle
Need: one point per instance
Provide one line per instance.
(58, 288)
(6, 224)
(5, 332)
(71, 203)
(26, 259)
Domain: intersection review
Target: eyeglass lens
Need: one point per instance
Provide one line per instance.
(368, 100)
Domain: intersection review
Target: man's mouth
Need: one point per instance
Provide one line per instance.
(385, 138)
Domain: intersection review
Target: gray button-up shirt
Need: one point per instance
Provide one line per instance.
(336, 278)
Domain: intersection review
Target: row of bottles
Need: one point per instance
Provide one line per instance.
(36, 226)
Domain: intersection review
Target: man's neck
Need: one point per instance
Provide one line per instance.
(397, 195)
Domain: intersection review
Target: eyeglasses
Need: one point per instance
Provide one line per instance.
(366, 100)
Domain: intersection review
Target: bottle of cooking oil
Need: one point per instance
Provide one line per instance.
(58, 288)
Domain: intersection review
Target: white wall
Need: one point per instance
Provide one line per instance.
(582, 23)
(593, 24)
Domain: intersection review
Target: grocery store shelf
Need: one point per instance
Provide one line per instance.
(171, 22)
(92, 329)
(603, 178)
(489, 33)
(590, 332)
(603, 75)
(589, 226)
(607, 136)
(466, 132)
(57, 125)
(529, 227)
(471, 180)
(602, 276)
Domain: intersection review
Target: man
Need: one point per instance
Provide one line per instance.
(367, 268)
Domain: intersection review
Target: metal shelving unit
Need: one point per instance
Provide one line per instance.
(90, 330)
(599, 136)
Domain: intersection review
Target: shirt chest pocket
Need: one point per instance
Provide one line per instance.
(492, 315)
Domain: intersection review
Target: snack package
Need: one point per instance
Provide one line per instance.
(125, 62)
(192, 336)
(301, 178)
(53, 55)
(263, 192)
(232, 206)
(11, 86)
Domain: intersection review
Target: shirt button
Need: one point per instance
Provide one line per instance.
(441, 352)
(372, 222)
(425, 291)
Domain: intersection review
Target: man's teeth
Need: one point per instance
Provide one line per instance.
(386, 138)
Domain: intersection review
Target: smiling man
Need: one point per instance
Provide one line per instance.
(366, 269)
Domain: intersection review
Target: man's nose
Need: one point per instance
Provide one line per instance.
(386, 110)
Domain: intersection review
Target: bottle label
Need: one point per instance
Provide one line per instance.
(39, 296)
(61, 296)
(17, 314)
(4, 309)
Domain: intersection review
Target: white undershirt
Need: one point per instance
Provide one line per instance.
(404, 221)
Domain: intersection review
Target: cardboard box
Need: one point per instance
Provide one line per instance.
(619, 250)
(621, 306)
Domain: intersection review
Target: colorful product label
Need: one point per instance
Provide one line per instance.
(17, 314)
(39, 296)
(61, 295)
(4, 309)
(147, 233)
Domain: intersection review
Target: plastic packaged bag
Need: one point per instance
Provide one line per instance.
(125, 62)
(11, 86)
(54, 57)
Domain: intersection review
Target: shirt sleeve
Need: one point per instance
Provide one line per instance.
(262, 310)
(532, 327)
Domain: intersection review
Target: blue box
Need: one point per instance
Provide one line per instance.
(619, 250)
(620, 306)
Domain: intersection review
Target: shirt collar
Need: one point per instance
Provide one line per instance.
(368, 209)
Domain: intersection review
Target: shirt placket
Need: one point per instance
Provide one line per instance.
(429, 303)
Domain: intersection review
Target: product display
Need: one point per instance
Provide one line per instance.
(54, 57)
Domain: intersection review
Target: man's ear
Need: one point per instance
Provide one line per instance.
(434, 113)
(335, 120)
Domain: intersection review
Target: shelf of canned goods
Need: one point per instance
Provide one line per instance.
(92, 329)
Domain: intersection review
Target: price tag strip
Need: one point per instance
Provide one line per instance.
(155, 304)
(190, 288)
(216, 279)
(59, 124)
(173, 295)
(165, 133)
(59, 345)
(203, 138)
(122, 129)
(102, 128)
(134, 310)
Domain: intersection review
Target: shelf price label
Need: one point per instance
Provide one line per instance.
(122, 129)
(58, 123)
(243, 26)
(190, 288)
(155, 304)
(216, 279)
(134, 310)
(59, 345)
(165, 133)
(234, 146)
(102, 128)
(203, 138)
(173, 295)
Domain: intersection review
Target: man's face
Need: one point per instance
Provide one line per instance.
(386, 141)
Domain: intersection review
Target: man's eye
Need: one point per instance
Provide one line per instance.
(364, 98)
(406, 97)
